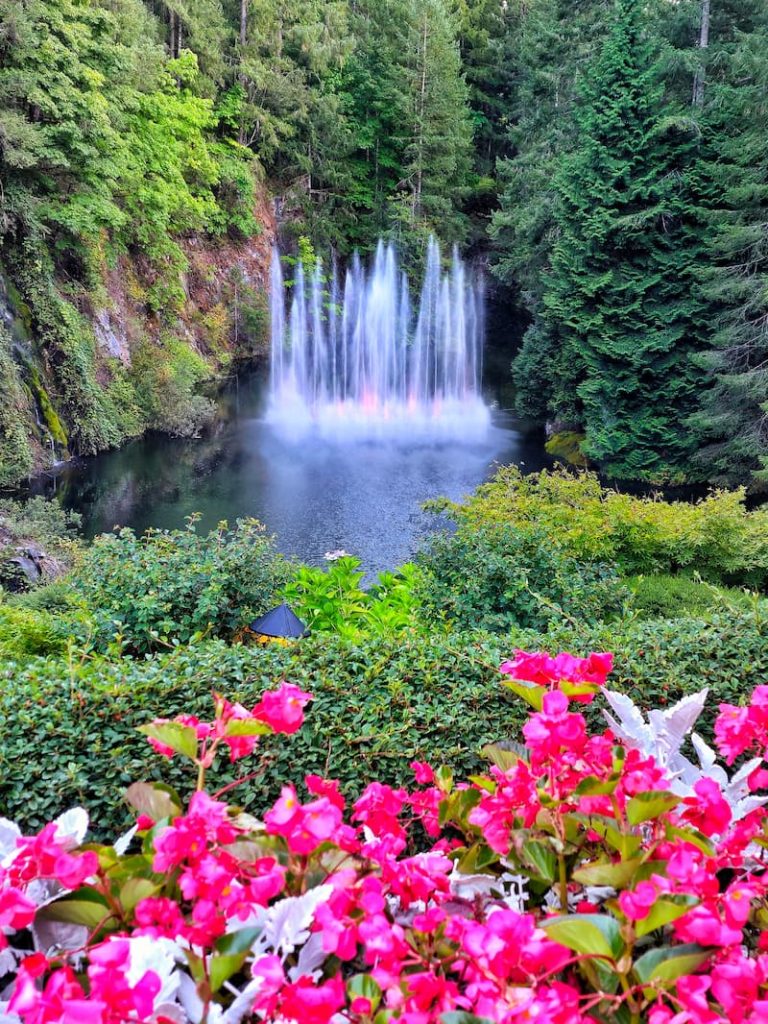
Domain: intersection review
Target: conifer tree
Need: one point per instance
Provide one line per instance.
(732, 424)
(619, 293)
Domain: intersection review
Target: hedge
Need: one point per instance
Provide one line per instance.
(69, 728)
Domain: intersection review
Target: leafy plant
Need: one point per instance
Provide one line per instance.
(493, 576)
(165, 587)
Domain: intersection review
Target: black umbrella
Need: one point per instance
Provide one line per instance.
(280, 622)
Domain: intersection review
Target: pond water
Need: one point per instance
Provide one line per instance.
(315, 495)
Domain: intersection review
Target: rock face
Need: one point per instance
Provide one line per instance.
(84, 371)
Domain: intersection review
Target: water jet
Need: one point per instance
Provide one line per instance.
(361, 361)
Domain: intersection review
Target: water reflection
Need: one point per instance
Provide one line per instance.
(315, 496)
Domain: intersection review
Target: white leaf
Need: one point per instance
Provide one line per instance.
(72, 824)
(311, 958)
(54, 936)
(631, 726)
(121, 845)
(9, 833)
(159, 955)
(286, 923)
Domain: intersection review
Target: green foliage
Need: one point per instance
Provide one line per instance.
(26, 633)
(619, 291)
(670, 596)
(379, 704)
(165, 587)
(334, 601)
(494, 576)
(46, 525)
(716, 537)
(166, 379)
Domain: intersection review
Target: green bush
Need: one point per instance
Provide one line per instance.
(495, 577)
(164, 587)
(333, 600)
(69, 730)
(716, 537)
(26, 633)
(69, 727)
(669, 596)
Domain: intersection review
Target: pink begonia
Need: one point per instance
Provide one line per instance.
(392, 907)
(423, 773)
(636, 904)
(707, 810)
(543, 670)
(283, 709)
(305, 826)
(47, 856)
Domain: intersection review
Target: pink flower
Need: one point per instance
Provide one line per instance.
(637, 903)
(423, 773)
(283, 709)
(707, 811)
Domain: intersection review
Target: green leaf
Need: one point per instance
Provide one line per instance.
(181, 738)
(462, 1017)
(365, 986)
(605, 872)
(541, 858)
(647, 806)
(531, 693)
(240, 941)
(503, 759)
(222, 967)
(88, 909)
(593, 786)
(247, 727)
(153, 799)
(589, 934)
(668, 963)
(692, 836)
(664, 910)
(135, 890)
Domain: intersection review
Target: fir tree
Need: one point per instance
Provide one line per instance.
(732, 424)
(618, 294)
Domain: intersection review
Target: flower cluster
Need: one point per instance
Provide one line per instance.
(576, 882)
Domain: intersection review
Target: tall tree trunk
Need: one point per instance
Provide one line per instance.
(698, 78)
(241, 135)
(420, 127)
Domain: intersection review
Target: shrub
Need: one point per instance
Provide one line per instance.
(166, 586)
(495, 577)
(333, 600)
(69, 729)
(380, 703)
(716, 537)
(669, 596)
(584, 881)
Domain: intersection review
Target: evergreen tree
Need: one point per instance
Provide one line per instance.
(618, 295)
(438, 153)
(732, 424)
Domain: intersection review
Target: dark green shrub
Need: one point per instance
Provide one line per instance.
(69, 727)
(167, 586)
(495, 577)
(69, 730)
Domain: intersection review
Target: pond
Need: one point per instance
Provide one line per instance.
(315, 495)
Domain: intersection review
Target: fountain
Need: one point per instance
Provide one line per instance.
(359, 362)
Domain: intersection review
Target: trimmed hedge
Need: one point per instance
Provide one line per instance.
(69, 728)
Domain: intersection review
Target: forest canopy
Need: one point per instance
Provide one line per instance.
(607, 158)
